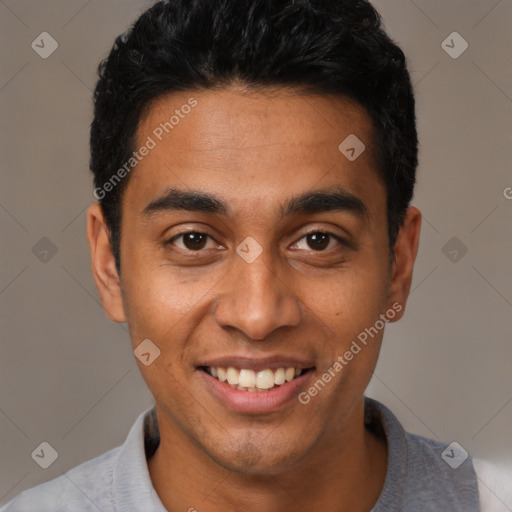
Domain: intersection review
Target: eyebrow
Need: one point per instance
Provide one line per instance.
(319, 201)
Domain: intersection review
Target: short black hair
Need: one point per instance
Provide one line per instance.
(330, 47)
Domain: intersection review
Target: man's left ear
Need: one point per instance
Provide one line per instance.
(405, 250)
(103, 264)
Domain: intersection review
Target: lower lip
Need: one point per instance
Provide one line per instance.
(257, 402)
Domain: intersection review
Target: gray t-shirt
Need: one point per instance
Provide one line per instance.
(418, 478)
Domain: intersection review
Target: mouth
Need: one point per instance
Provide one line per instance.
(252, 381)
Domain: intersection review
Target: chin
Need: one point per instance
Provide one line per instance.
(257, 457)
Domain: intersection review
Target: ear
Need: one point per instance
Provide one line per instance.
(103, 264)
(405, 250)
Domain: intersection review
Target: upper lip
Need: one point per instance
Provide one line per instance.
(258, 364)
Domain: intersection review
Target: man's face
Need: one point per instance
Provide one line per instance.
(212, 300)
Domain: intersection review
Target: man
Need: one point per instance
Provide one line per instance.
(254, 163)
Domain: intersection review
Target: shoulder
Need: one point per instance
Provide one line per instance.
(86, 487)
(423, 474)
(451, 463)
(439, 475)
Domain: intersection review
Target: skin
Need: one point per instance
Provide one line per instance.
(255, 151)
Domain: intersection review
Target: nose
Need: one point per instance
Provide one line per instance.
(254, 300)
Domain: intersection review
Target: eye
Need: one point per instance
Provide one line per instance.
(191, 240)
(320, 241)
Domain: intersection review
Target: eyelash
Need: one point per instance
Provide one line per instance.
(339, 239)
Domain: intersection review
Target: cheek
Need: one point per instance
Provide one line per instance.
(350, 299)
(159, 298)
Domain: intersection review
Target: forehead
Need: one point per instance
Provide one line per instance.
(243, 144)
(234, 118)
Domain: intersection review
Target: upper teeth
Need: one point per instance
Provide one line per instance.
(249, 380)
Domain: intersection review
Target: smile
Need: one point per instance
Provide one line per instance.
(254, 381)
(249, 385)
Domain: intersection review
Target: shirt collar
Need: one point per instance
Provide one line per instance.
(132, 487)
(134, 491)
(385, 425)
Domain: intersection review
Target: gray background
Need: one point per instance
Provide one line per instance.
(67, 374)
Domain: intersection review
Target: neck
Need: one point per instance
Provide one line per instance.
(345, 473)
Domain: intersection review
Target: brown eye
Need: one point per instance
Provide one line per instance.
(194, 241)
(191, 241)
(319, 241)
